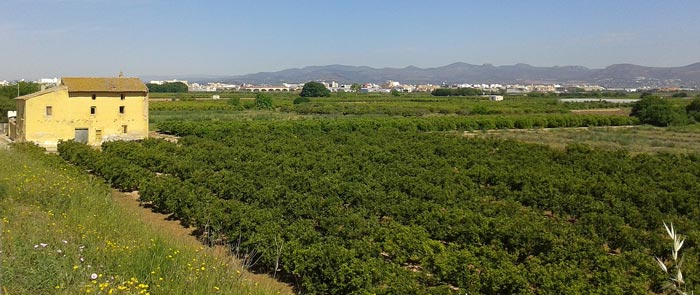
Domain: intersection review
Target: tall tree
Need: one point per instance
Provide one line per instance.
(315, 89)
(657, 111)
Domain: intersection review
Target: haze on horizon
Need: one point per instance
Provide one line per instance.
(53, 38)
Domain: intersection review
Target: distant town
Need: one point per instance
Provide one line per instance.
(387, 87)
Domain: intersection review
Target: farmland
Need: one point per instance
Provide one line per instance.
(359, 194)
(240, 106)
(341, 202)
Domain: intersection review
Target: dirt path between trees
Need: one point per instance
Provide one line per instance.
(184, 236)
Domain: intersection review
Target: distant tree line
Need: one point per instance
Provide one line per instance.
(659, 111)
(456, 92)
(8, 93)
(25, 88)
(173, 87)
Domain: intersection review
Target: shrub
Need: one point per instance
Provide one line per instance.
(693, 110)
(680, 94)
(301, 99)
(657, 111)
(263, 101)
(236, 101)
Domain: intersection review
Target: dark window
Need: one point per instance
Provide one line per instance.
(124, 129)
(93, 110)
(123, 96)
(49, 110)
(121, 109)
(94, 96)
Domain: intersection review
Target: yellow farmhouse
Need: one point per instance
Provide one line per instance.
(88, 110)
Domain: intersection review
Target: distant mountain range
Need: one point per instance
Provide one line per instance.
(619, 75)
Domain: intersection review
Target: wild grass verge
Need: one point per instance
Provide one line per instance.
(636, 139)
(62, 233)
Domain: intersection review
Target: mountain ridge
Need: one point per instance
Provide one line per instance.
(616, 75)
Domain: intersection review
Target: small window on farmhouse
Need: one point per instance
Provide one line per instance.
(93, 110)
(123, 96)
(124, 129)
(121, 109)
(94, 96)
(49, 110)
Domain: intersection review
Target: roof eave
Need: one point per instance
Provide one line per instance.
(35, 94)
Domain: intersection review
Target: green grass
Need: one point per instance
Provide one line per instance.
(638, 139)
(60, 228)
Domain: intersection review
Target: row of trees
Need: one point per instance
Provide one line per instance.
(366, 206)
(428, 124)
(457, 92)
(172, 87)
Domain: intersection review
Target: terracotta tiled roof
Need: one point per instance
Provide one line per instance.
(121, 84)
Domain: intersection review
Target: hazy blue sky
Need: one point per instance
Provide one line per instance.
(47, 38)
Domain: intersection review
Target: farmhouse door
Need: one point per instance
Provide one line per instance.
(81, 135)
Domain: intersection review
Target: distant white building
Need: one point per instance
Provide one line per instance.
(4, 83)
(161, 82)
(370, 89)
(391, 84)
(406, 88)
(294, 86)
(48, 81)
(496, 98)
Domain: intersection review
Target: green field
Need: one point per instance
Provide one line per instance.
(638, 139)
(361, 105)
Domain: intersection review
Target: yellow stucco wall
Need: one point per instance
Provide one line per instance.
(71, 111)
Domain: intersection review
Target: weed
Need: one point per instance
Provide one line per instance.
(675, 282)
